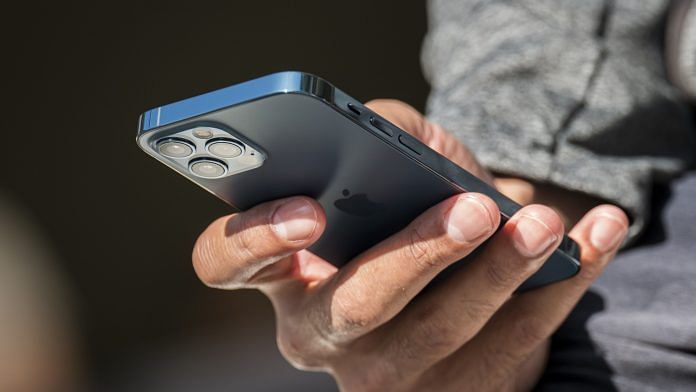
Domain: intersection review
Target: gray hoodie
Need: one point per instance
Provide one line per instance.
(575, 93)
(571, 92)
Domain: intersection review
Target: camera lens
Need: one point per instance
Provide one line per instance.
(174, 148)
(225, 148)
(207, 168)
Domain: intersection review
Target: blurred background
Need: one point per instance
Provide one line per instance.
(97, 290)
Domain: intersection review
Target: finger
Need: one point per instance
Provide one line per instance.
(412, 121)
(438, 323)
(402, 115)
(527, 321)
(376, 285)
(233, 249)
(433, 135)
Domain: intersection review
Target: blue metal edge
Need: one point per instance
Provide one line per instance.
(280, 82)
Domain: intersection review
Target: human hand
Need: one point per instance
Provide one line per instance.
(365, 325)
(431, 134)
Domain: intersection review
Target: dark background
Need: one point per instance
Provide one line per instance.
(77, 75)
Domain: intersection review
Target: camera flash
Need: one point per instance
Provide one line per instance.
(203, 133)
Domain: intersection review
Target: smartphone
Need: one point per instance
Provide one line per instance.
(293, 133)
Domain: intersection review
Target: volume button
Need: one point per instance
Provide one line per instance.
(411, 143)
(353, 109)
(381, 126)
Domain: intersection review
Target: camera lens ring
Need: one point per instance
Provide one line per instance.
(225, 148)
(208, 168)
(175, 148)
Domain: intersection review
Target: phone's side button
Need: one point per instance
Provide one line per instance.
(354, 109)
(411, 144)
(381, 126)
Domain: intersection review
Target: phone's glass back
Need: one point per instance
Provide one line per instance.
(368, 188)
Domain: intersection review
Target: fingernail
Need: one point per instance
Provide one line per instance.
(468, 220)
(606, 233)
(295, 220)
(532, 236)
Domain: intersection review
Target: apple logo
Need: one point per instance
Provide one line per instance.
(358, 204)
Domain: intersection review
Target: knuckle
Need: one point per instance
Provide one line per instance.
(477, 311)
(349, 321)
(348, 314)
(252, 241)
(245, 241)
(425, 253)
(440, 334)
(439, 331)
(500, 275)
(224, 254)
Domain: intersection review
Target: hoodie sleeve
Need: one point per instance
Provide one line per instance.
(567, 92)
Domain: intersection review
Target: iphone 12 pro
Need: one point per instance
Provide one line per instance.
(292, 133)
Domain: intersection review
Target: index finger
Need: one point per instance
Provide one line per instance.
(402, 115)
(434, 136)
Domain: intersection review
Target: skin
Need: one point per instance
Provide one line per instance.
(362, 324)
